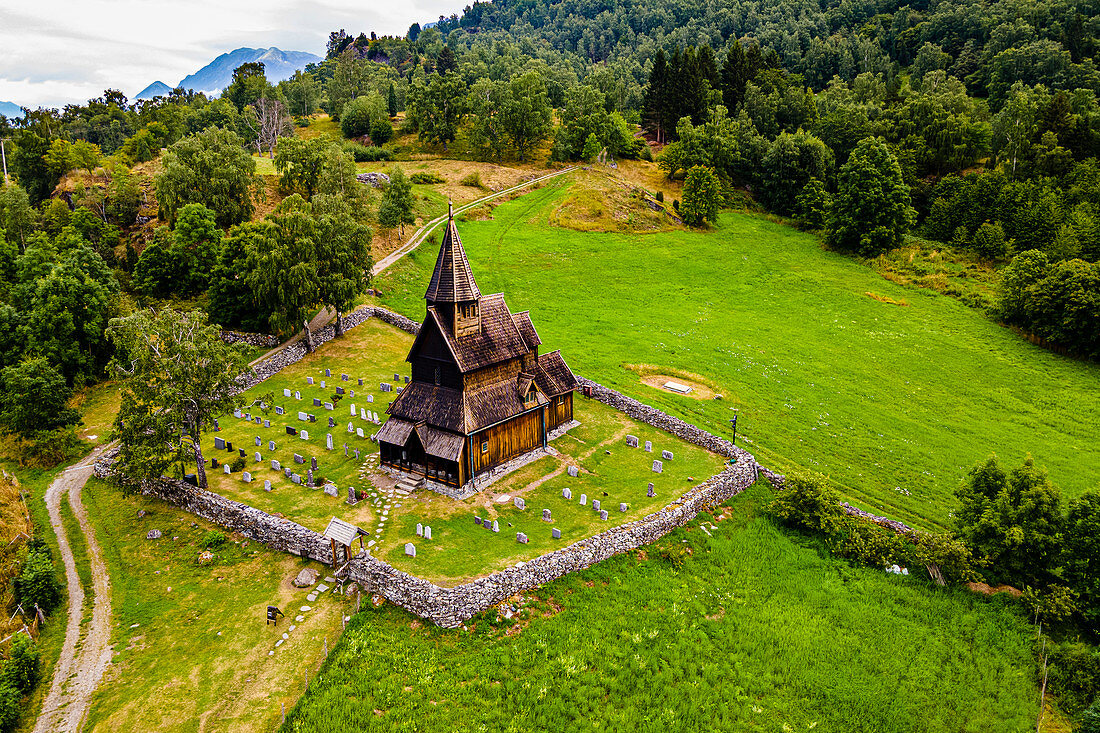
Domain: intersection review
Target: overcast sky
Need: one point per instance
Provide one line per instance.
(56, 52)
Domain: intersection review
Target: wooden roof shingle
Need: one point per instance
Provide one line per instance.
(452, 280)
(498, 339)
(527, 329)
(423, 402)
(553, 376)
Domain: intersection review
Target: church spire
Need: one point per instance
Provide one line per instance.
(452, 281)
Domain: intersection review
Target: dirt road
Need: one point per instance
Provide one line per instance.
(85, 657)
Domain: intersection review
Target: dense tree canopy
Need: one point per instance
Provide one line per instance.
(209, 168)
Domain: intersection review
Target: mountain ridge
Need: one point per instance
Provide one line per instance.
(217, 75)
(10, 110)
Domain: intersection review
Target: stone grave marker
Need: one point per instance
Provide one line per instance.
(329, 406)
(521, 538)
(279, 410)
(313, 462)
(219, 443)
(340, 390)
(296, 479)
(238, 414)
(595, 505)
(555, 533)
(343, 377)
(309, 381)
(312, 417)
(302, 416)
(357, 454)
(309, 477)
(603, 514)
(397, 377)
(271, 445)
(584, 500)
(304, 435)
(351, 495)
(297, 395)
(353, 409)
(427, 533)
(331, 422)
(632, 441)
(316, 401)
(496, 526)
(259, 458)
(370, 398)
(328, 441)
(241, 453)
(248, 416)
(546, 515)
(360, 381)
(410, 549)
(275, 465)
(650, 493)
(622, 507)
(362, 413)
(573, 471)
(257, 419)
(419, 529)
(351, 427)
(328, 372)
(406, 380)
(267, 485)
(298, 458)
(566, 493)
(267, 423)
(214, 463)
(649, 446)
(287, 471)
(658, 467)
(247, 477)
(477, 521)
(229, 446)
(359, 432)
(666, 455)
(519, 502)
(330, 489)
(259, 441)
(225, 466)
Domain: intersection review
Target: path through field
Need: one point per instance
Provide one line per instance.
(83, 660)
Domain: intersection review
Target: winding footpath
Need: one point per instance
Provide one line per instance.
(83, 660)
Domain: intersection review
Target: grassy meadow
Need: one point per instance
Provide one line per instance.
(755, 632)
(893, 392)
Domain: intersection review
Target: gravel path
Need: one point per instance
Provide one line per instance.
(82, 661)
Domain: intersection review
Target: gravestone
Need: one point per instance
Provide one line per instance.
(271, 445)
(248, 416)
(566, 494)
(298, 458)
(312, 417)
(546, 515)
(322, 384)
(297, 395)
(331, 423)
(410, 549)
(267, 485)
(419, 529)
(309, 479)
(584, 500)
(309, 381)
(340, 390)
(555, 533)
(360, 381)
(329, 406)
(257, 419)
(229, 446)
(357, 454)
(406, 380)
(343, 377)
(328, 441)
(259, 458)
(648, 446)
(485, 524)
(247, 477)
(226, 467)
(276, 465)
(328, 372)
(241, 453)
(351, 427)
(353, 409)
(603, 514)
(279, 410)
(427, 533)
(259, 441)
(351, 495)
(519, 502)
(287, 471)
(496, 526)
(304, 435)
(313, 462)
(477, 521)
(359, 432)
(219, 443)
(595, 505)
(238, 414)
(296, 479)
(397, 377)
(345, 450)
(658, 467)
(316, 401)
(362, 413)
(302, 416)
(666, 455)
(370, 398)
(632, 441)
(521, 538)
(622, 507)
(330, 489)
(650, 493)
(214, 463)
(572, 470)
(267, 423)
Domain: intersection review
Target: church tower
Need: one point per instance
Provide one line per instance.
(453, 291)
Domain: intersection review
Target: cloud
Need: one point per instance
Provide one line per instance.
(56, 52)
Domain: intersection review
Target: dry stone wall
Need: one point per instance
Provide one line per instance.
(262, 340)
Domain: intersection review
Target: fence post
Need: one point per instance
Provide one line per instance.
(283, 704)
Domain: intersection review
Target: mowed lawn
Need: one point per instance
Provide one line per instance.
(755, 632)
(894, 402)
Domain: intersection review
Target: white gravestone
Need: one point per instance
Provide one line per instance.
(519, 502)
(584, 500)
(566, 493)
(247, 477)
(286, 393)
(658, 467)
(648, 446)
(666, 455)
(419, 529)
(359, 432)
(410, 549)
(267, 485)
(427, 533)
(353, 409)
(304, 435)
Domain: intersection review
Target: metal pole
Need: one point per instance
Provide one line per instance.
(4, 155)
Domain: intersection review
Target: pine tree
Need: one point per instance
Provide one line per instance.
(655, 94)
(391, 101)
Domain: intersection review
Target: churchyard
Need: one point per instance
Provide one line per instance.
(612, 456)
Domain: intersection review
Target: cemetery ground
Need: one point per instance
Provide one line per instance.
(190, 641)
(609, 471)
(727, 624)
(894, 403)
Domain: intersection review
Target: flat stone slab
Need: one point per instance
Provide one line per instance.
(305, 609)
(676, 387)
(322, 588)
(311, 597)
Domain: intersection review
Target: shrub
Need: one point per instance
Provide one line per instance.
(473, 180)
(22, 668)
(237, 465)
(213, 540)
(9, 708)
(37, 584)
(808, 503)
(661, 196)
(989, 242)
(1090, 719)
(366, 153)
(423, 178)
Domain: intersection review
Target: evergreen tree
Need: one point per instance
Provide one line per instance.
(391, 101)
(656, 96)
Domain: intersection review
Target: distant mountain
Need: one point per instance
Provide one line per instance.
(10, 110)
(278, 65)
(156, 89)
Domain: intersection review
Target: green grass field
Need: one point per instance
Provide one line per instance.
(755, 632)
(895, 403)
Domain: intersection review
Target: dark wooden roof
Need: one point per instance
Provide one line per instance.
(553, 376)
(423, 402)
(498, 340)
(452, 280)
(527, 329)
(396, 431)
(439, 443)
(495, 403)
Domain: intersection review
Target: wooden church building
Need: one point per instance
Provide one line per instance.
(480, 392)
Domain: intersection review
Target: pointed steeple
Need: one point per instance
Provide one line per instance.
(452, 280)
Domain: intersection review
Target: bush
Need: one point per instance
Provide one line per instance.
(807, 503)
(646, 153)
(9, 708)
(237, 465)
(37, 584)
(989, 242)
(213, 540)
(661, 197)
(366, 153)
(1090, 719)
(473, 179)
(426, 178)
(1074, 676)
(22, 668)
